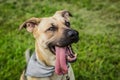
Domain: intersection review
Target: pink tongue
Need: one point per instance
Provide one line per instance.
(60, 65)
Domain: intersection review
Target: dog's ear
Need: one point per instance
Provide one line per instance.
(30, 24)
(64, 13)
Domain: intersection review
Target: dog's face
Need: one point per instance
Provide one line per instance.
(55, 34)
(52, 31)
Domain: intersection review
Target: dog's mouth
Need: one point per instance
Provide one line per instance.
(63, 56)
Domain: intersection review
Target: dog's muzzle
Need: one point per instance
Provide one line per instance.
(70, 36)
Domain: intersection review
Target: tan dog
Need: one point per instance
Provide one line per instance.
(53, 39)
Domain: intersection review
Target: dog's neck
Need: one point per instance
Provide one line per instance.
(44, 55)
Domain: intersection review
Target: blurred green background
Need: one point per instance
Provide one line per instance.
(98, 23)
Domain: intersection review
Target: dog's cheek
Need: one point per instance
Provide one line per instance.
(36, 33)
(49, 34)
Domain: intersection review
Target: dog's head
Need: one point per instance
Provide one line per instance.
(54, 32)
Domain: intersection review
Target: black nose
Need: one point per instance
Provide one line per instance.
(72, 33)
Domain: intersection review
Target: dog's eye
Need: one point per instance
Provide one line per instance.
(67, 24)
(53, 28)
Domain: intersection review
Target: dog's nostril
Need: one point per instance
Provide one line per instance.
(70, 33)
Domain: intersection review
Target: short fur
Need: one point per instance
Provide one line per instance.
(39, 27)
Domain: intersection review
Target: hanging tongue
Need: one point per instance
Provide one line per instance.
(60, 65)
(63, 55)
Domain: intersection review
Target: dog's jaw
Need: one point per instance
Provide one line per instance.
(44, 55)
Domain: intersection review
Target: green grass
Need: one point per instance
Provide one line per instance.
(98, 23)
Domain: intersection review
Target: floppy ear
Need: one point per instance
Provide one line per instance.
(64, 13)
(30, 24)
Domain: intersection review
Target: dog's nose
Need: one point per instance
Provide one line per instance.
(72, 33)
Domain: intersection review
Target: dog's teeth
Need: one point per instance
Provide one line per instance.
(75, 55)
(72, 59)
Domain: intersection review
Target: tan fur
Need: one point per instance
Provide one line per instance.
(38, 27)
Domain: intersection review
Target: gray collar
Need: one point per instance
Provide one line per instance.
(37, 69)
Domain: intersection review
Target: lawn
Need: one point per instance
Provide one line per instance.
(98, 23)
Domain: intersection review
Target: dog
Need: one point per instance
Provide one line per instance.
(53, 51)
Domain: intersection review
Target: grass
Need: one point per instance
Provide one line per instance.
(98, 23)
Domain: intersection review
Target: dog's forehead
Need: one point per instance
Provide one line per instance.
(47, 22)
